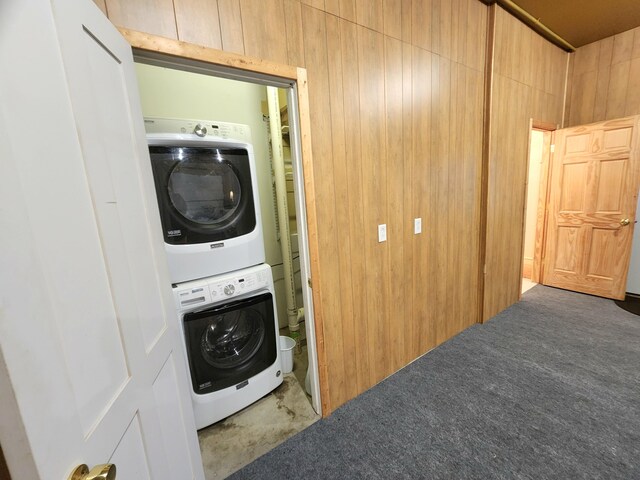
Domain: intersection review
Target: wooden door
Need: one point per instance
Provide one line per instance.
(89, 336)
(592, 204)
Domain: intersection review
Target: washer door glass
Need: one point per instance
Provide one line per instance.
(204, 191)
(232, 339)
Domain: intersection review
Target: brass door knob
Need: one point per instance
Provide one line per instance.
(624, 222)
(106, 471)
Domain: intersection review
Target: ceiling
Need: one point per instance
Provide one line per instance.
(582, 22)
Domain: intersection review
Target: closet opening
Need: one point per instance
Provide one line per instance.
(536, 196)
(266, 108)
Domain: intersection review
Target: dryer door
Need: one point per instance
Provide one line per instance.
(204, 193)
(229, 344)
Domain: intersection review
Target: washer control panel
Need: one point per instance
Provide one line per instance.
(233, 286)
(217, 289)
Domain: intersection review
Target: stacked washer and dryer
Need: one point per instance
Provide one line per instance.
(206, 185)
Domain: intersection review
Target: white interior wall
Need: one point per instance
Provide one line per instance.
(633, 278)
(533, 189)
(172, 93)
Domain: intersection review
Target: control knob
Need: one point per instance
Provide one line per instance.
(229, 289)
(200, 130)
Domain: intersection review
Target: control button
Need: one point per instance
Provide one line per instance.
(229, 289)
(200, 130)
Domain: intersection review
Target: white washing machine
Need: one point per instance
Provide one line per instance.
(231, 339)
(206, 186)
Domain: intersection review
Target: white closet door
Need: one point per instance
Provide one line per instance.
(88, 330)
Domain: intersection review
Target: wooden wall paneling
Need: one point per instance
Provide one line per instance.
(622, 47)
(409, 208)
(587, 58)
(616, 79)
(618, 82)
(231, 26)
(319, 4)
(633, 89)
(473, 154)
(406, 18)
(421, 13)
(459, 20)
(486, 160)
(399, 220)
(392, 18)
(349, 331)
(456, 228)
(423, 273)
(197, 21)
(477, 35)
(372, 138)
(150, 16)
(101, 5)
(264, 29)
(583, 98)
(602, 87)
(314, 34)
(332, 7)
(441, 27)
(293, 32)
(370, 14)
(440, 160)
(348, 9)
(353, 158)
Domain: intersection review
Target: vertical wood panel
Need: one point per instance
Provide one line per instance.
(421, 13)
(399, 220)
(374, 171)
(198, 22)
(319, 4)
(353, 157)
(263, 27)
(314, 34)
(618, 82)
(231, 26)
(409, 204)
(151, 16)
(348, 9)
(293, 24)
(370, 14)
(350, 331)
(423, 273)
(392, 18)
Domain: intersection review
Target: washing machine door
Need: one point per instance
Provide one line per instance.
(204, 193)
(229, 344)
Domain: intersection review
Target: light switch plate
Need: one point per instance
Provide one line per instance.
(382, 232)
(417, 225)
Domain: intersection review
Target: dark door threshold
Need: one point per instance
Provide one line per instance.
(631, 303)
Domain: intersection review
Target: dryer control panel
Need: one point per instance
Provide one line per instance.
(201, 128)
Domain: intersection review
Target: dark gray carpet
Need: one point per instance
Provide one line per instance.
(548, 389)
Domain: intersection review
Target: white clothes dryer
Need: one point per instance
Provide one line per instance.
(206, 186)
(231, 341)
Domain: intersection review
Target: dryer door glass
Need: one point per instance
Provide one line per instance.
(205, 194)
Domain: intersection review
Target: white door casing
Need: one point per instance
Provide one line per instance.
(88, 330)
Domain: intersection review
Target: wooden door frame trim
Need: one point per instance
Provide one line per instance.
(486, 154)
(183, 50)
(543, 198)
